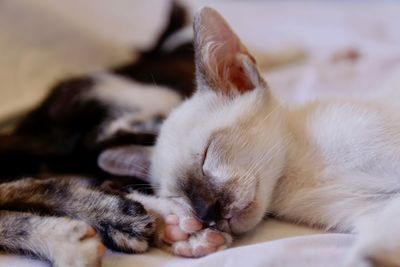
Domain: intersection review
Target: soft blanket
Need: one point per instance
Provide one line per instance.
(353, 51)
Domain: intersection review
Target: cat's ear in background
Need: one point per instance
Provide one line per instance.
(129, 160)
(223, 63)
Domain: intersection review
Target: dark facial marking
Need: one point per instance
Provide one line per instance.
(203, 197)
(208, 212)
(159, 118)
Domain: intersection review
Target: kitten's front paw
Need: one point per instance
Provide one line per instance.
(178, 231)
(188, 239)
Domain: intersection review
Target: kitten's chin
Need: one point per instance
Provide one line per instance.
(223, 225)
(240, 224)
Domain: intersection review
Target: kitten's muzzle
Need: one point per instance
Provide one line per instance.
(208, 211)
(211, 214)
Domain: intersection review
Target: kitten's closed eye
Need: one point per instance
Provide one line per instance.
(204, 157)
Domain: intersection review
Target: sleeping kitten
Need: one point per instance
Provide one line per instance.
(232, 154)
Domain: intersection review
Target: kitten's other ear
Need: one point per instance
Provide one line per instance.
(223, 63)
(126, 161)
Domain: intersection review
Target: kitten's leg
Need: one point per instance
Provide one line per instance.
(180, 232)
(62, 241)
(122, 223)
(378, 241)
(198, 244)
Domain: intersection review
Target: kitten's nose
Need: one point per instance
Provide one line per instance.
(207, 211)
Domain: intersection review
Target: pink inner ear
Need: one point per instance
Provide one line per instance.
(231, 74)
(239, 78)
(222, 65)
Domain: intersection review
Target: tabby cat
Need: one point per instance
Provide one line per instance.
(83, 129)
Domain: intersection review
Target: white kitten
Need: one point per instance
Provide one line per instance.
(232, 153)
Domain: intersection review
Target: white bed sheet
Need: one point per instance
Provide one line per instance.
(42, 41)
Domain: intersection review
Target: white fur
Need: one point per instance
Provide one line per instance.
(178, 38)
(136, 101)
(329, 164)
(65, 242)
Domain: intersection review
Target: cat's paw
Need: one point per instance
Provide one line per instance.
(76, 244)
(202, 243)
(187, 238)
(178, 231)
(126, 227)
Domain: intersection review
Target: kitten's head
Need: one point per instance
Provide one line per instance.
(210, 152)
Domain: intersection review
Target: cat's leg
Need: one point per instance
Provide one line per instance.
(179, 231)
(62, 241)
(123, 224)
(378, 243)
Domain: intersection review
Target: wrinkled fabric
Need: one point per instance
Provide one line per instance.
(44, 41)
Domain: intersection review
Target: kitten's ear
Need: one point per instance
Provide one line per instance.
(223, 63)
(126, 161)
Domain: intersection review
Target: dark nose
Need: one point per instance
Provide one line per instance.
(207, 211)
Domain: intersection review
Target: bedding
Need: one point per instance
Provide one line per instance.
(350, 53)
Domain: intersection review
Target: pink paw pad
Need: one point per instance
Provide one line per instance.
(215, 237)
(188, 238)
(190, 225)
(173, 234)
(176, 230)
(200, 244)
